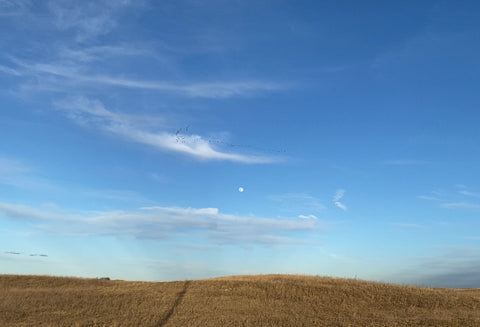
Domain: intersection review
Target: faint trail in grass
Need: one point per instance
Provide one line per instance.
(175, 304)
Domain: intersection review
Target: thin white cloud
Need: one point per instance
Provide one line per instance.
(193, 145)
(468, 193)
(164, 222)
(464, 205)
(337, 197)
(307, 217)
(295, 202)
(96, 53)
(13, 7)
(428, 198)
(340, 205)
(404, 162)
(11, 167)
(9, 70)
(123, 196)
(460, 199)
(17, 174)
(88, 19)
(430, 42)
(92, 113)
(212, 90)
(26, 212)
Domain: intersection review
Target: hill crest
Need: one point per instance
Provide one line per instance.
(255, 300)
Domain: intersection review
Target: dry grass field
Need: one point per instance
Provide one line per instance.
(270, 300)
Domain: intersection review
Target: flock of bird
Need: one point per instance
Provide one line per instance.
(182, 136)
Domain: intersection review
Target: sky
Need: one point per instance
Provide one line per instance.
(171, 140)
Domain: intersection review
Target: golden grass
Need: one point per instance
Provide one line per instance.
(270, 300)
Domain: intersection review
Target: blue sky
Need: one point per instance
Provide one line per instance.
(128, 127)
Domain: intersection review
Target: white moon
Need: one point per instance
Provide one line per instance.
(240, 189)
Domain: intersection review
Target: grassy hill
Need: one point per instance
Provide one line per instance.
(271, 300)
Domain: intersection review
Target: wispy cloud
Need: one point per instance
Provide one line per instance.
(123, 196)
(165, 222)
(212, 90)
(404, 162)
(71, 65)
(16, 173)
(13, 7)
(29, 213)
(291, 203)
(11, 167)
(336, 199)
(460, 199)
(428, 198)
(88, 19)
(468, 193)
(9, 70)
(307, 217)
(98, 53)
(464, 205)
(21, 175)
(428, 44)
(92, 113)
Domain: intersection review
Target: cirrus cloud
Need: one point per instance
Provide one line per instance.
(336, 199)
(92, 113)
